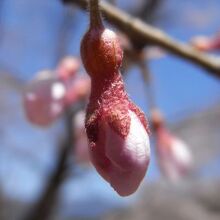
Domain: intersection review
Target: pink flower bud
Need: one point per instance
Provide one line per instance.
(121, 159)
(44, 100)
(174, 156)
(116, 128)
(204, 43)
(118, 135)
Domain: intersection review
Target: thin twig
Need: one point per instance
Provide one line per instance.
(146, 34)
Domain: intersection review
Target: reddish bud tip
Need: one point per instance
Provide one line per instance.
(101, 52)
(44, 101)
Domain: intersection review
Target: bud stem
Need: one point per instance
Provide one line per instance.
(95, 16)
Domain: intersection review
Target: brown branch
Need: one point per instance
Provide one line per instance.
(43, 208)
(146, 34)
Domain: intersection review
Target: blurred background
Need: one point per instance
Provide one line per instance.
(35, 35)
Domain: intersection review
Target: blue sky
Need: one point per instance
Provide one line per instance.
(29, 43)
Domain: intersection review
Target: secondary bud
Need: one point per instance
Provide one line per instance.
(205, 43)
(174, 156)
(44, 100)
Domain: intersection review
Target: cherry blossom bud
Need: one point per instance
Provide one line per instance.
(174, 156)
(44, 100)
(204, 43)
(116, 128)
(68, 67)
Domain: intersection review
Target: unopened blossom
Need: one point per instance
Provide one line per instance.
(117, 129)
(205, 43)
(43, 99)
(174, 156)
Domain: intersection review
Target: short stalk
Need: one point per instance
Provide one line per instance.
(95, 15)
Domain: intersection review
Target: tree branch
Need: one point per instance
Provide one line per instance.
(141, 32)
(42, 209)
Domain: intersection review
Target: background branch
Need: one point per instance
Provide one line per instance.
(144, 34)
(47, 201)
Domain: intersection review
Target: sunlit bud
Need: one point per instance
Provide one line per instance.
(121, 152)
(116, 128)
(174, 156)
(68, 67)
(43, 100)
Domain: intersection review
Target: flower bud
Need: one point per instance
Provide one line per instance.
(44, 100)
(117, 129)
(174, 156)
(122, 160)
(205, 43)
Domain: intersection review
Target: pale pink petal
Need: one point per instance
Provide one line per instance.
(129, 157)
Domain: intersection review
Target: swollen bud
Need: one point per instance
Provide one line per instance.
(206, 44)
(174, 156)
(117, 129)
(43, 100)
